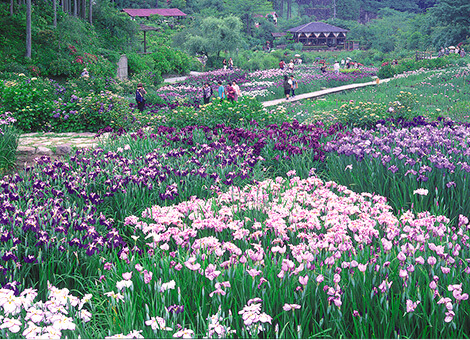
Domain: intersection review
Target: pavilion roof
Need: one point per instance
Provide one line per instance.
(146, 12)
(317, 27)
(148, 28)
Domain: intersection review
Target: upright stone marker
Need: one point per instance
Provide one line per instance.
(122, 68)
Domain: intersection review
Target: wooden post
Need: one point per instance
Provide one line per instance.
(145, 42)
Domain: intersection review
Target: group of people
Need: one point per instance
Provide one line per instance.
(290, 66)
(231, 92)
(230, 63)
(448, 50)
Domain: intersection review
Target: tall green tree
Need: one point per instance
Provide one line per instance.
(215, 35)
(454, 18)
(246, 9)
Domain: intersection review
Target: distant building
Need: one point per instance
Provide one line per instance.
(319, 34)
(147, 12)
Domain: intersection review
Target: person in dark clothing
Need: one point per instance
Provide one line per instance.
(206, 93)
(140, 97)
(287, 87)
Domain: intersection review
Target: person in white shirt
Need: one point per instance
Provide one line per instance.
(336, 67)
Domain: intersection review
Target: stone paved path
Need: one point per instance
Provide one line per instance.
(177, 79)
(48, 144)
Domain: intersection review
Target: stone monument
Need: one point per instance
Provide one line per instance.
(122, 68)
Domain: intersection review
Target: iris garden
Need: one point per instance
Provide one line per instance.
(261, 228)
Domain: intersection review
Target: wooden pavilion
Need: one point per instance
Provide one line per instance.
(319, 34)
(145, 29)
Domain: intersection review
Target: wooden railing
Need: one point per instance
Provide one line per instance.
(420, 55)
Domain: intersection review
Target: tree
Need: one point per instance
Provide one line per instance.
(454, 16)
(246, 9)
(215, 35)
(28, 29)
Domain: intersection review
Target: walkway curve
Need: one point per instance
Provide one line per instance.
(323, 92)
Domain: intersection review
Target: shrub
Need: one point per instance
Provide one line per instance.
(105, 109)
(386, 71)
(242, 113)
(29, 102)
(360, 114)
(8, 141)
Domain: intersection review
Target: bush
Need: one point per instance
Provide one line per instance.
(8, 142)
(29, 102)
(242, 113)
(105, 109)
(386, 71)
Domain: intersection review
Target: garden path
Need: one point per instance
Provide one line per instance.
(177, 79)
(32, 145)
(323, 92)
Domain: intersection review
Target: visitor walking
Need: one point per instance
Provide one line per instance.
(238, 92)
(336, 67)
(230, 92)
(294, 85)
(287, 87)
(221, 90)
(282, 64)
(206, 93)
(230, 64)
(224, 62)
(140, 97)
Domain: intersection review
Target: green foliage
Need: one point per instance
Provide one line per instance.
(237, 114)
(98, 111)
(8, 142)
(28, 102)
(454, 17)
(215, 35)
(257, 60)
(403, 106)
(138, 64)
(246, 10)
(360, 114)
(386, 71)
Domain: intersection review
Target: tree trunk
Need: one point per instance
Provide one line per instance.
(28, 29)
(90, 13)
(248, 24)
(54, 4)
(289, 9)
(75, 8)
(281, 8)
(11, 7)
(84, 9)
